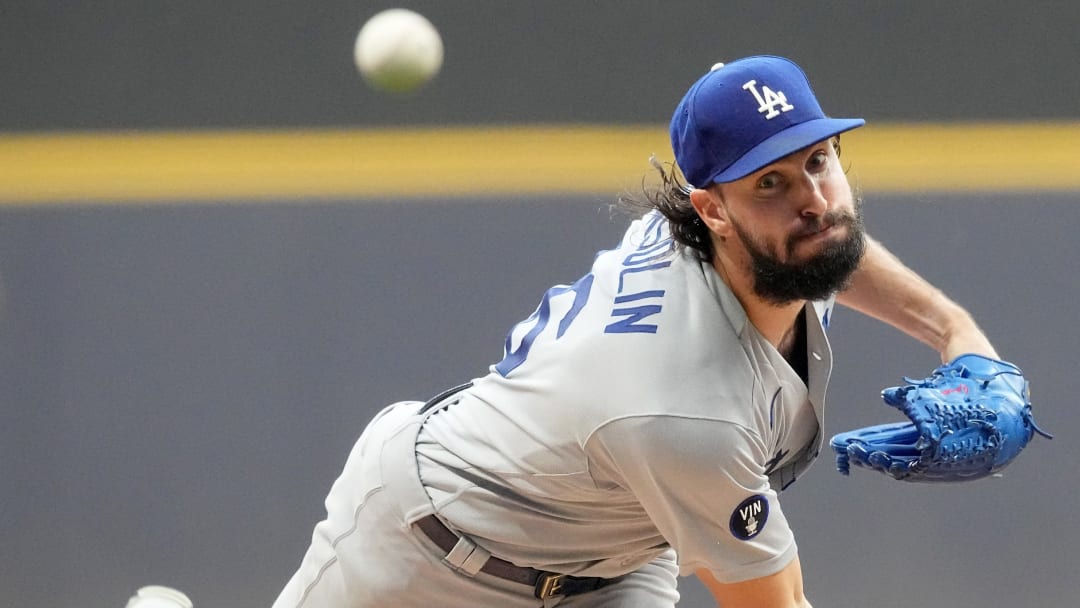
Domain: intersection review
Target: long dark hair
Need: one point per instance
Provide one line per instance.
(671, 197)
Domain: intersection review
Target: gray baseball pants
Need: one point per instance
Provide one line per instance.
(366, 552)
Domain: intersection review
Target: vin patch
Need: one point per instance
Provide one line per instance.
(748, 519)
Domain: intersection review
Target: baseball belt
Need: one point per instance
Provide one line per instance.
(544, 584)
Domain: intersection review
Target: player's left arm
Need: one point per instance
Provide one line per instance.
(885, 289)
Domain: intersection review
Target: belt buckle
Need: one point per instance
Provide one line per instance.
(549, 584)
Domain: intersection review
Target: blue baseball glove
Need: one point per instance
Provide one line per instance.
(969, 419)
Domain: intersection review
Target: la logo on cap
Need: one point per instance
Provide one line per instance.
(768, 100)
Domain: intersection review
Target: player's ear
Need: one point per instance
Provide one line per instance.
(711, 209)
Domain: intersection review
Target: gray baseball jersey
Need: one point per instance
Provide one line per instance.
(635, 410)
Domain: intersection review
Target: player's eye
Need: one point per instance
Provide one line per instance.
(817, 161)
(768, 181)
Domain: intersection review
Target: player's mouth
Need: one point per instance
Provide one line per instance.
(816, 233)
(824, 232)
(810, 241)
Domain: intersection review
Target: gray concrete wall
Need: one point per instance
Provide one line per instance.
(244, 63)
(181, 385)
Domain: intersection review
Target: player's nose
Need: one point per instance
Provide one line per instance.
(811, 200)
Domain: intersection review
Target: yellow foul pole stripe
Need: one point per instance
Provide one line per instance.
(145, 167)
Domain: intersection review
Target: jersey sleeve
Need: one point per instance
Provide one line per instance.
(703, 484)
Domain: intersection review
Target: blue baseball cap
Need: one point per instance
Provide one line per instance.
(747, 114)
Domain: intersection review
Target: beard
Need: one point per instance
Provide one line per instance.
(824, 274)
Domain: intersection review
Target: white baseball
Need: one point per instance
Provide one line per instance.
(157, 596)
(398, 50)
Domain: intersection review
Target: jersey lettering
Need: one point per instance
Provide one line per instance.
(540, 318)
(654, 232)
(630, 325)
(634, 302)
(644, 259)
(629, 272)
(647, 252)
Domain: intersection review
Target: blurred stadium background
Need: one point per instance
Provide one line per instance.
(220, 254)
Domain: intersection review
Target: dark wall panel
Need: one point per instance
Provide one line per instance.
(242, 63)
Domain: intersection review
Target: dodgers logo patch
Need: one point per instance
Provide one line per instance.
(748, 519)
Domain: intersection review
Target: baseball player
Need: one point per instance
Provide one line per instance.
(646, 417)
